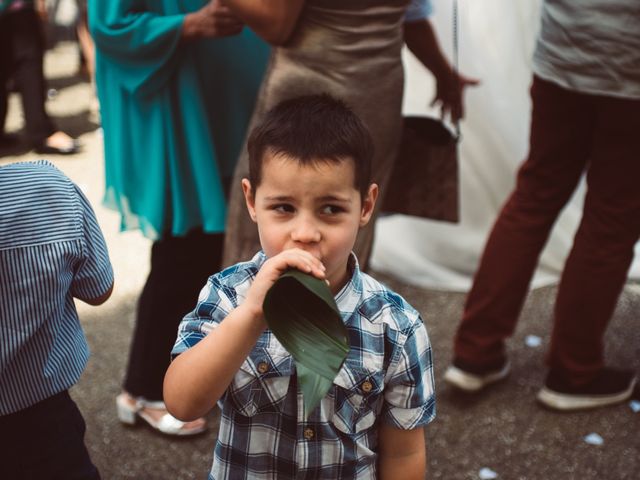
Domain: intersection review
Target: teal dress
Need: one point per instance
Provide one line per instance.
(174, 113)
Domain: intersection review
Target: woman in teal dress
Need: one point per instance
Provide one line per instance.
(177, 81)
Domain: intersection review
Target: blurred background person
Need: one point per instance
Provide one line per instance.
(585, 117)
(496, 43)
(21, 61)
(87, 67)
(87, 48)
(351, 50)
(177, 83)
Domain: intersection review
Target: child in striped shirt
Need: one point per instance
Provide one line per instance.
(51, 251)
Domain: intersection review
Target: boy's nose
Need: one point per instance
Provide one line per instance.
(305, 231)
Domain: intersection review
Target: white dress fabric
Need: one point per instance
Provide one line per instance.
(496, 43)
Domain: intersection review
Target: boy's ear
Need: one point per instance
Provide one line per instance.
(368, 204)
(249, 198)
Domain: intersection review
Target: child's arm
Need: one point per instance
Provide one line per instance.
(273, 20)
(93, 277)
(409, 401)
(423, 43)
(402, 453)
(99, 300)
(198, 377)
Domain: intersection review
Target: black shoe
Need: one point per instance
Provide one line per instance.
(473, 378)
(73, 147)
(611, 386)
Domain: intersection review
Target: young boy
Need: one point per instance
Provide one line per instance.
(309, 192)
(51, 250)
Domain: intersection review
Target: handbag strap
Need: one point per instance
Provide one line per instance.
(456, 123)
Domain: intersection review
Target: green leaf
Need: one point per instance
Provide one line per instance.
(301, 312)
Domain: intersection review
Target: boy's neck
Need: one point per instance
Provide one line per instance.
(349, 268)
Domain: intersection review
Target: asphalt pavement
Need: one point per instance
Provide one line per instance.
(502, 433)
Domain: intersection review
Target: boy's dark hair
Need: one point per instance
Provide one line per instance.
(310, 128)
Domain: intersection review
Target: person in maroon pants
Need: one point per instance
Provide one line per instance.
(585, 119)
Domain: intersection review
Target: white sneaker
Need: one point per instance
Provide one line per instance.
(473, 382)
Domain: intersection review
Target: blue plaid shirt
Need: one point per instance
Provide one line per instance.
(387, 376)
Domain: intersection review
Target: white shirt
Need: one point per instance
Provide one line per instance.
(591, 46)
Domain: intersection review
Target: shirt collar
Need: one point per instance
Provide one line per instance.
(349, 296)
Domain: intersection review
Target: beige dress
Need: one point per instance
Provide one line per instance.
(351, 50)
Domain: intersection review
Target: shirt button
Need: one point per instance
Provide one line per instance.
(263, 367)
(366, 386)
(308, 433)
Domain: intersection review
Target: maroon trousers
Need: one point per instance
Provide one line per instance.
(570, 133)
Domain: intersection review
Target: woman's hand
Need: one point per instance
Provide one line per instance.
(421, 39)
(449, 94)
(273, 20)
(211, 21)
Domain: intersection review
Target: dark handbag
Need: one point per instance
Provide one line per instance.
(424, 180)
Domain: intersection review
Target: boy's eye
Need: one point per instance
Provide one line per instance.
(282, 208)
(331, 209)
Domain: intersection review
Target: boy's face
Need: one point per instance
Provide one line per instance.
(315, 207)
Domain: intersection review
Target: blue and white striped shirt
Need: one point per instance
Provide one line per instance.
(51, 250)
(388, 375)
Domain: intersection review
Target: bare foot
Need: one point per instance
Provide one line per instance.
(60, 140)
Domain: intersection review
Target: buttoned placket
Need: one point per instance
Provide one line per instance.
(306, 434)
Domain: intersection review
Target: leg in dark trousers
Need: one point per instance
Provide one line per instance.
(46, 440)
(561, 129)
(180, 267)
(6, 60)
(27, 43)
(597, 267)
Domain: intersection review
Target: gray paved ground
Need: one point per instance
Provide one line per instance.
(503, 429)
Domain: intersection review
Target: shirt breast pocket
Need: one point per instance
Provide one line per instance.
(262, 382)
(357, 398)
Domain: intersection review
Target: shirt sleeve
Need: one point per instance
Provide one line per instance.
(215, 302)
(136, 43)
(93, 276)
(418, 10)
(409, 398)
